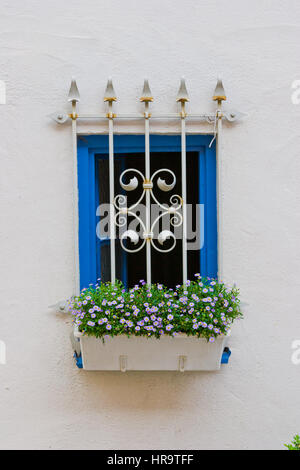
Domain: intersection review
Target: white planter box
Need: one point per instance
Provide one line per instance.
(184, 353)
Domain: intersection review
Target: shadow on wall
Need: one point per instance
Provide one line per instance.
(147, 390)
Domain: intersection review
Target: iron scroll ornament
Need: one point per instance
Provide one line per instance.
(173, 210)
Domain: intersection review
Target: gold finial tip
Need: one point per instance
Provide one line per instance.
(219, 94)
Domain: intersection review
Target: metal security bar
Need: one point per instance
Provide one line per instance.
(182, 97)
(110, 97)
(177, 209)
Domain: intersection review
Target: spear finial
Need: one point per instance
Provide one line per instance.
(182, 95)
(219, 94)
(73, 95)
(110, 94)
(146, 93)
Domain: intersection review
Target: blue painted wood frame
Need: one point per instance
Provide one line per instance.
(90, 146)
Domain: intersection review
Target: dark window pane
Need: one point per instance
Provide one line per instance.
(166, 268)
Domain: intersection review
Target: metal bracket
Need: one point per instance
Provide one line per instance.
(78, 360)
(123, 363)
(225, 356)
(182, 363)
(60, 118)
(232, 115)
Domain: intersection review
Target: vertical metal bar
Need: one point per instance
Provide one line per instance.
(219, 96)
(75, 198)
(111, 194)
(148, 196)
(219, 190)
(184, 197)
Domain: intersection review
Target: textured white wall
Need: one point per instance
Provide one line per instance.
(45, 401)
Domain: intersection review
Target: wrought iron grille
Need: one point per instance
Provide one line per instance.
(177, 209)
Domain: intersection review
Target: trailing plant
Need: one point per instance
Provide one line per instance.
(203, 308)
(295, 444)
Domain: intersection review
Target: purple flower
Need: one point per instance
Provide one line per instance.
(91, 323)
(108, 326)
(169, 327)
(170, 317)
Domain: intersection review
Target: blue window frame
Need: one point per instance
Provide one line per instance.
(91, 148)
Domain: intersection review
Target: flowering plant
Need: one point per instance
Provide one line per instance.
(295, 445)
(203, 308)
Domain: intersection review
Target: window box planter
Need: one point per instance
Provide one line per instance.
(152, 327)
(123, 353)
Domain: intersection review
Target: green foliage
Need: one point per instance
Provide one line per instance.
(203, 308)
(295, 444)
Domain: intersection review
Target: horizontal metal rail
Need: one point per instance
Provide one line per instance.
(209, 117)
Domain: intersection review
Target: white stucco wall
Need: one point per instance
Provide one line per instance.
(45, 401)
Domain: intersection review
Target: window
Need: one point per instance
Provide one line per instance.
(93, 186)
